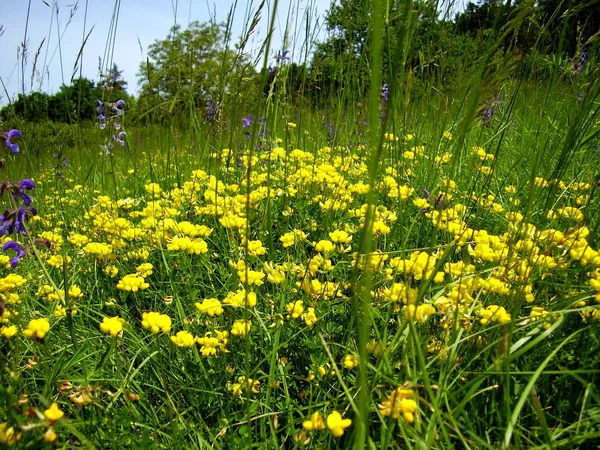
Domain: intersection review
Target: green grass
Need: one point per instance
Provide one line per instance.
(524, 374)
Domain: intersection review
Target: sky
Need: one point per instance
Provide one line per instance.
(58, 28)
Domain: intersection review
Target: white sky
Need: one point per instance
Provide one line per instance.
(139, 22)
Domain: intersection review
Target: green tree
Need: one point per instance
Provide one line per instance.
(341, 63)
(185, 70)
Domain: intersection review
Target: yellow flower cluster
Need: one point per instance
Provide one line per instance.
(400, 403)
(112, 326)
(156, 322)
(37, 328)
(335, 423)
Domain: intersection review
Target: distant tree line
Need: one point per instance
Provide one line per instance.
(71, 104)
(195, 72)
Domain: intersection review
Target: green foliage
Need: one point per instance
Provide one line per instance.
(185, 70)
(71, 104)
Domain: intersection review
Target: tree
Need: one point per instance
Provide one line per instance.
(570, 24)
(187, 68)
(341, 63)
(114, 80)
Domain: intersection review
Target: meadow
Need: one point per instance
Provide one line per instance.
(411, 269)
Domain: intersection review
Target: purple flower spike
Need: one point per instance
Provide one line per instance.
(385, 92)
(118, 107)
(12, 245)
(7, 138)
(427, 193)
(120, 137)
(247, 121)
(100, 107)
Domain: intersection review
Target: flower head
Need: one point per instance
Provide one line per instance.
(385, 92)
(315, 423)
(53, 413)
(112, 326)
(336, 424)
(8, 136)
(247, 121)
(12, 245)
(118, 106)
(120, 138)
(156, 322)
(241, 327)
(183, 339)
(282, 56)
(37, 328)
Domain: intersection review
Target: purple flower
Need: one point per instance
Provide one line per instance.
(427, 193)
(247, 121)
(100, 108)
(25, 184)
(12, 245)
(212, 111)
(120, 137)
(385, 92)
(271, 71)
(118, 106)
(14, 220)
(282, 57)
(578, 65)
(438, 201)
(7, 138)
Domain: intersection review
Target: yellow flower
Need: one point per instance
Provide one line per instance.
(239, 298)
(111, 271)
(336, 424)
(246, 385)
(132, 282)
(400, 401)
(289, 239)
(419, 313)
(37, 328)
(315, 423)
(350, 362)
(241, 327)
(50, 435)
(7, 434)
(494, 313)
(144, 270)
(210, 344)
(255, 248)
(324, 246)
(156, 322)
(275, 273)
(295, 309)
(8, 332)
(154, 189)
(112, 325)
(310, 319)
(53, 413)
(75, 292)
(210, 306)
(183, 339)
(340, 237)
